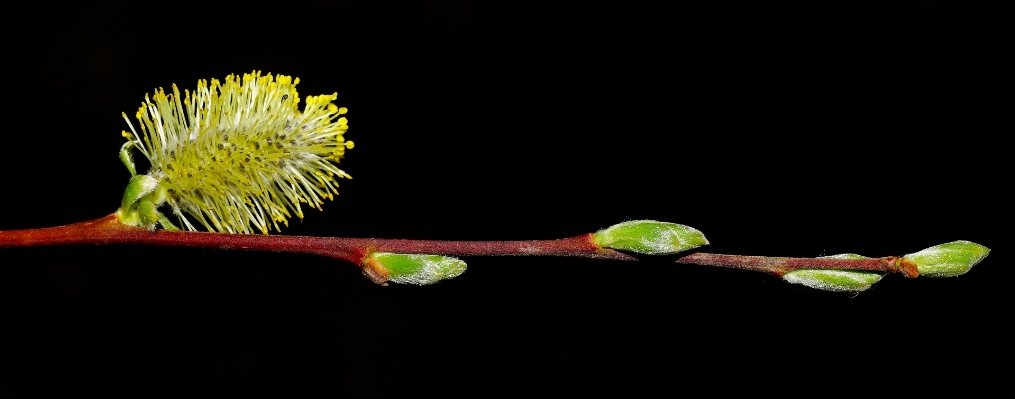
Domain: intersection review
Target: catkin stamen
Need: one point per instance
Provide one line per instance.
(237, 154)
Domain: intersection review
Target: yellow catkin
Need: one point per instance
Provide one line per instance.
(238, 156)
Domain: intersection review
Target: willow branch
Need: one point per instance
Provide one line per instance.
(108, 230)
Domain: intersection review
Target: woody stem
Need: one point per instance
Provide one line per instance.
(108, 230)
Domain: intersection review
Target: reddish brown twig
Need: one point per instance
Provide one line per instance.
(108, 230)
(779, 266)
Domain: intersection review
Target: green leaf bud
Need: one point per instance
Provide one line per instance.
(835, 280)
(948, 260)
(382, 267)
(649, 237)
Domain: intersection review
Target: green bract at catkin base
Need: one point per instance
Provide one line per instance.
(237, 156)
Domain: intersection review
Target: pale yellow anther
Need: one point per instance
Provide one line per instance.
(343, 111)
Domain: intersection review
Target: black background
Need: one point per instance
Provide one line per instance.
(783, 129)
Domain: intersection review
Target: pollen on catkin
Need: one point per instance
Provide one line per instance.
(238, 156)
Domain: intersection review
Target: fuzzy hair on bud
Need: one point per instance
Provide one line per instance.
(650, 237)
(949, 260)
(384, 267)
(835, 280)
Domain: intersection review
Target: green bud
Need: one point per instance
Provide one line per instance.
(949, 260)
(382, 267)
(649, 237)
(835, 280)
